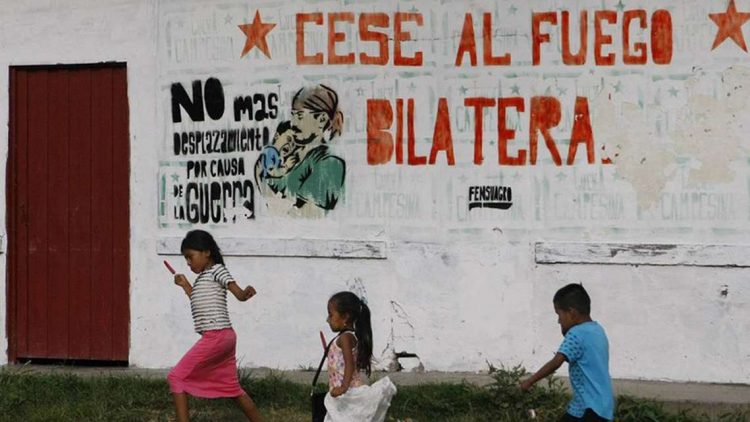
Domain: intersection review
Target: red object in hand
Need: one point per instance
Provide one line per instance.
(323, 340)
(169, 267)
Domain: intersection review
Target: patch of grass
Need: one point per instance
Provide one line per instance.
(275, 391)
(34, 397)
(630, 409)
(62, 397)
(511, 404)
(430, 402)
(738, 415)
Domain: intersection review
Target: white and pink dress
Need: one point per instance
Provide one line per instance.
(361, 402)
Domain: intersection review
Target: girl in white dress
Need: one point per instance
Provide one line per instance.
(349, 398)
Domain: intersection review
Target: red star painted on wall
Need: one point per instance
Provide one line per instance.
(256, 35)
(730, 26)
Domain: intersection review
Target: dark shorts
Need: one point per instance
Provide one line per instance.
(589, 416)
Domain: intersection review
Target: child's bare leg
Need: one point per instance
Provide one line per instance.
(248, 408)
(181, 406)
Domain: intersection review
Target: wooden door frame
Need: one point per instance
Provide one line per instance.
(10, 201)
(11, 197)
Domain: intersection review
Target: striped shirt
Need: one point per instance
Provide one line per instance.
(208, 302)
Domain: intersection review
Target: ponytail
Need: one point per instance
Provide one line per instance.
(363, 330)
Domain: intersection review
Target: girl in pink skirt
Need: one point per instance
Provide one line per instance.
(209, 368)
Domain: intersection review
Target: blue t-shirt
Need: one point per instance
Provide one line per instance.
(587, 351)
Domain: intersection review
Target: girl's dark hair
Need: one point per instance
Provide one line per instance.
(201, 240)
(347, 303)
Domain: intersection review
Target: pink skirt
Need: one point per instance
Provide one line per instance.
(209, 368)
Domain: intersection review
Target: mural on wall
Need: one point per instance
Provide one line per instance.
(587, 113)
(298, 170)
(209, 181)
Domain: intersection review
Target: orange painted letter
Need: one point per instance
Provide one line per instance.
(379, 139)
(301, 19)
(661, 37)
(504, 134)
(537, 37)
(479, 103)
(334, 37)
(600, 39)
(399, 35)
(378, 20)
(581, 133)
(468, 43)
(545, 114)
(442, 138)
(489, 59)
(580, 57)
(639, 47)
(413, 159)
(399, 130)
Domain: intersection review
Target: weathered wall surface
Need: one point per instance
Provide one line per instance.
(461, 162)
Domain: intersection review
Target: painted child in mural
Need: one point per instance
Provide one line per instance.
(298, 171)
(350, 354)
(209, 368)
(586, 349)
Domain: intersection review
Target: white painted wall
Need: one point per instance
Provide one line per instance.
(459, 288)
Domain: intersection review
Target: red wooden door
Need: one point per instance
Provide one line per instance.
(68, 209)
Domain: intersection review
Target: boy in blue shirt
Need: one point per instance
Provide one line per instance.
(586, 350)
